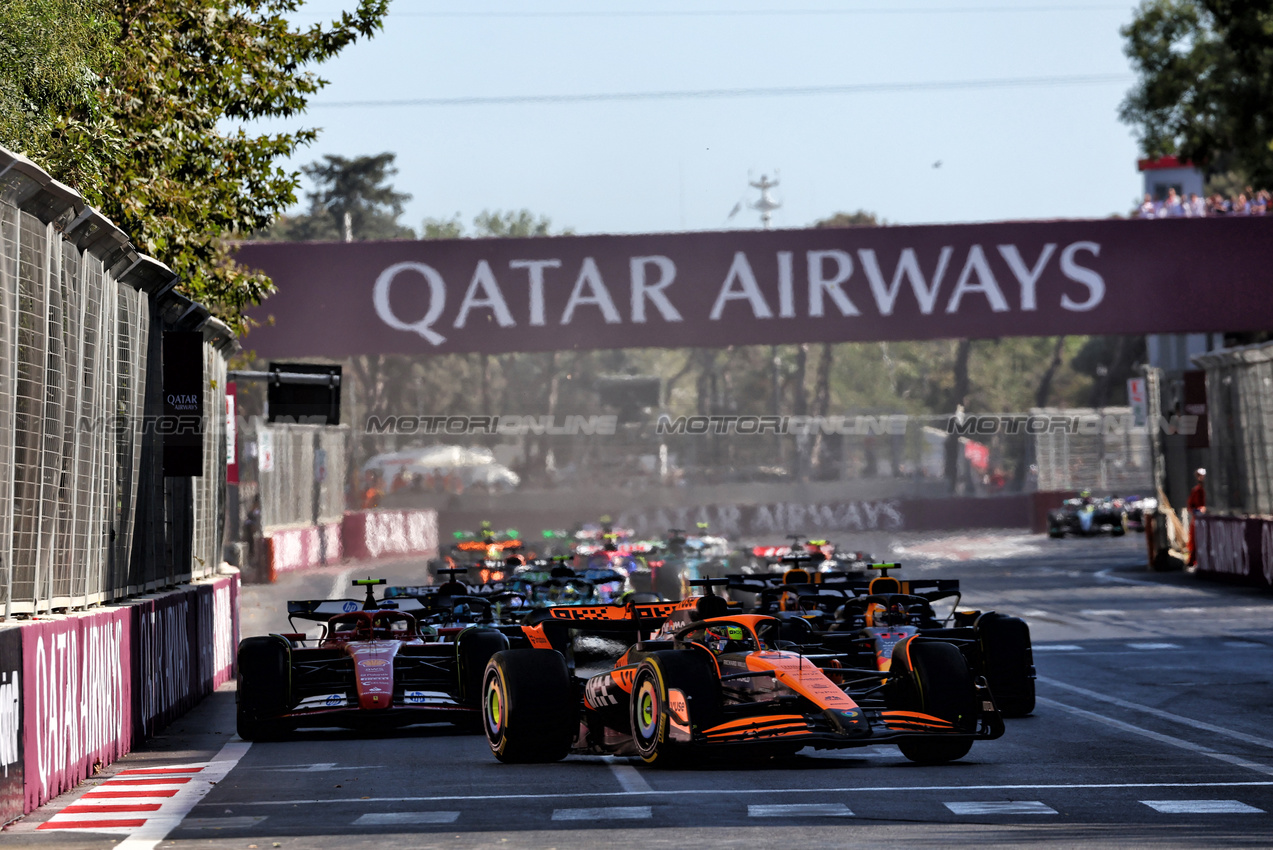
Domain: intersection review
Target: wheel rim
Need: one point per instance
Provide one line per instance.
(494, 707)
(647, 710)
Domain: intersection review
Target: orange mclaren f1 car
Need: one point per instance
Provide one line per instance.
(701, 677)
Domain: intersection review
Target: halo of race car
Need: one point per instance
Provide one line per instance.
(603, 643)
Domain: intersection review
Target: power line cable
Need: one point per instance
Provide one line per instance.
(716, 94)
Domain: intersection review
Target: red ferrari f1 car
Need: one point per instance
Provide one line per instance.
(701, 677)
(374, 665)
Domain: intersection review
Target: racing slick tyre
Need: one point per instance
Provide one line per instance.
(529, 709)
(473, 649)
(264, 683)
(939, 684)
(1119, 528)
(1007, 662)
(692, 673)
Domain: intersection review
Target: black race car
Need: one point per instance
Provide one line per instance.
(1087, 515)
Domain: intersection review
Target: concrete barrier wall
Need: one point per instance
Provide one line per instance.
(369, 535)
(77, 691)
(1236, 548)
(359, 536)
(303, 547)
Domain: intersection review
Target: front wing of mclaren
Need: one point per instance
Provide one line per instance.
(830, 729)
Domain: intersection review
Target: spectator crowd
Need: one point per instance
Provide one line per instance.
(1174, 205)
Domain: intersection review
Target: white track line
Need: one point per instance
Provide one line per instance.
(718, 792)
(156, 828)
(1158, 712)
(630, 779)
(1160, 738)
(1108, 576)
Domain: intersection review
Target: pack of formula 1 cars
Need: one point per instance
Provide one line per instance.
(701, 675)
(1087, 515)
(546, 668)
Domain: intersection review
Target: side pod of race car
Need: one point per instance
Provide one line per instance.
(701, 677)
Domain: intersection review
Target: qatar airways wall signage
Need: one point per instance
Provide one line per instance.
(738, 287)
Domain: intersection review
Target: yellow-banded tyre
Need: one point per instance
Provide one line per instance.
(649, 709)
(529, 710)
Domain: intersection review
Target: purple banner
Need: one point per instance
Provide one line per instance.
(1236, 548)
(744, 287)
(76, 699)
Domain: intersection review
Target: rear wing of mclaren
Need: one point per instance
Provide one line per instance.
(556, 627)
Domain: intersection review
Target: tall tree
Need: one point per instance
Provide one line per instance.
(168, 154)
(1205, 88)
(352, 200)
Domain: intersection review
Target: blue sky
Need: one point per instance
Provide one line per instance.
(625, 166)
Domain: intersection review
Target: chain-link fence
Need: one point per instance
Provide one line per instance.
(1240, 414)
(86, 515)
(1102, 449)
(298, 472)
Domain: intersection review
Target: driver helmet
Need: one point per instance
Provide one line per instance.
(727, 637)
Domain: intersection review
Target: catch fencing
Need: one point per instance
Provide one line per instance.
(1240, 415)
(1107, 452)
(297, 472)
(86, 515)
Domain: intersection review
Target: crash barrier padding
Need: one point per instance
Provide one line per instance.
(302, 547)
(1235, 548)
(77, 691)
(369, 535)
(776, 519)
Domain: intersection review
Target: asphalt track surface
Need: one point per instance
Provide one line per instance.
(1153, 730)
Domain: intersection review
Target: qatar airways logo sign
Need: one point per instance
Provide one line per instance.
(764, 286)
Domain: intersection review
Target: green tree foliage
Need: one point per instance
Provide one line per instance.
(1205, 91)
(53, 57)
(442, 228)
(861, 218)
(493, 224)
(352, 200)
(512, 223)
(167, 155)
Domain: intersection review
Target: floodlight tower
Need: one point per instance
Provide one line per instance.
(766, 205)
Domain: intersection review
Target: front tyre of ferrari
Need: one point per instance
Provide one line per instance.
(263, 692)
(529, 711)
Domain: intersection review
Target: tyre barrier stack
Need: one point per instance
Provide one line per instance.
(77, 691)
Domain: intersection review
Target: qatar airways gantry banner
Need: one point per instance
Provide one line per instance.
(740, 287)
